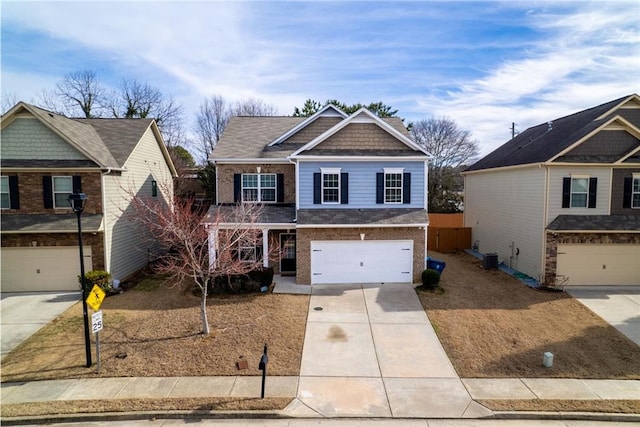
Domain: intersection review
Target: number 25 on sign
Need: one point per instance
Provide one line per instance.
(95, 298)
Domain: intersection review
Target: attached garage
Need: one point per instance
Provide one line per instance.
(599, 264)
(38, 269)
(362, 261)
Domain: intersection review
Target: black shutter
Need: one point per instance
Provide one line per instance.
(237, 187)
(317, 188)
(406, 188)
(47, 192)
(628, 187)
(280, 189)
(566, 193)
(380, 187)
(77, 184)
(593, 191)
(344, 188)
(14, 194)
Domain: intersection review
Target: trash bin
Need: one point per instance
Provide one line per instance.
(436, 264)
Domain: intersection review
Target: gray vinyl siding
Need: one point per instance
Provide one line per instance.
(28, 139)
(603, 203)
(127, 246)
(504, 208)
(362, 183)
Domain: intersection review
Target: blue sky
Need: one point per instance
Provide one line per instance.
(484, 64)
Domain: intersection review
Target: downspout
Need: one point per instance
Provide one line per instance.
(297, 181)
(543, 258)
(107, 254)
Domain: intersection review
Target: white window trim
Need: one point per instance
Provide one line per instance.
(259, 188)
(248, 248)
(330, 171)
(571, 192)
(8, 192)
(394, 171)
(54, 192)
(633, 178)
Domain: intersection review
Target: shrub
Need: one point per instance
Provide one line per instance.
(430, 278)
(242, 283)
(97, 277)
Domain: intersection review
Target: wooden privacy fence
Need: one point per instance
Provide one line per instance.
(443, 239)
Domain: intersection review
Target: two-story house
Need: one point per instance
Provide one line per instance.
(560, 202)
(44, 158)
(344, 195)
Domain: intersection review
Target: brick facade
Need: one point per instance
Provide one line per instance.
(551, 259)
(31, 192)
(617, 192)
(306, 235)
(226, 172)
(361, 136)
(95, 240)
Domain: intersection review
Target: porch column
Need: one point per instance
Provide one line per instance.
(213, 243)
(265, 248)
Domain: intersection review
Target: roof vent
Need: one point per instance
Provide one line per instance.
(549, 126)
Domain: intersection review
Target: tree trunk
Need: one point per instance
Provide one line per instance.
(203, 310)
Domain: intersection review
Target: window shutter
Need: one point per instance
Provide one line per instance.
(344, 188)
(628, 187)
(14, 194)
(237, 187)
(280, 189)
(47, 192)
(317, 188)
(77, 184)
(566, 193)
(406, 188)
(379, 187)
(593, 191)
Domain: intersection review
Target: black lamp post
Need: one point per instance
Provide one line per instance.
(77, 201)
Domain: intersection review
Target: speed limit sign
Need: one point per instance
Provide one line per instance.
(96, 322)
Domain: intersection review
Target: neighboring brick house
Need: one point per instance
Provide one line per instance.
(344, 196)
(44, 158)
(561, 201)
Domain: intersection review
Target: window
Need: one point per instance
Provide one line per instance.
(635, 195)
(392, 186)
(247, 253)
(259, 187)
(579, 192)
(331, 187)
(62, 188)
(5, 199)
(154, 188)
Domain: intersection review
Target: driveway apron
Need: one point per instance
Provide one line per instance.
(370, 351)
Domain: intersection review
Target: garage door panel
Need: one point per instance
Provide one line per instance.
(37, 269)
(361, 261)
(596, 264)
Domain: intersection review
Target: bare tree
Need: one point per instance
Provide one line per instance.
(213, 116)
(451, 149)
(82, 90)
(253, 107)
(8, 101)
(180, 230)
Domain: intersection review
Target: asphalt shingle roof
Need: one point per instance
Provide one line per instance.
(249, 137)
(368, 217)
(595, 223)
(46, 223)
(270, 214)
(539, 144)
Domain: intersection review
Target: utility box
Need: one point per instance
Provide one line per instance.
(490, 261)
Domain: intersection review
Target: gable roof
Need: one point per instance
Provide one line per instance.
(545, 141)
(247, 137)
(328, 111)
(106, 142)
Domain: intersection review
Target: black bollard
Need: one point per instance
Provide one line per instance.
(263, 367)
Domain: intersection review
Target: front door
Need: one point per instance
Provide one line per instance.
(287, 254)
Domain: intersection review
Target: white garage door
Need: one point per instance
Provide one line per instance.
(42, 268)
(596, 264)
(368, 261)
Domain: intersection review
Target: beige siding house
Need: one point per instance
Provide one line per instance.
(561, 201)
(44, 158)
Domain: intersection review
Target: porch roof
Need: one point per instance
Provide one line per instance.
(269, 214)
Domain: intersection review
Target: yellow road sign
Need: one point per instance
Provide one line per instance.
(95, 298)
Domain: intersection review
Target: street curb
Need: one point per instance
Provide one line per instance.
(197, 414)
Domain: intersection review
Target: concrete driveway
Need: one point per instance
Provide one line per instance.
(618, 305)
(23, 314)
(370, 351)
